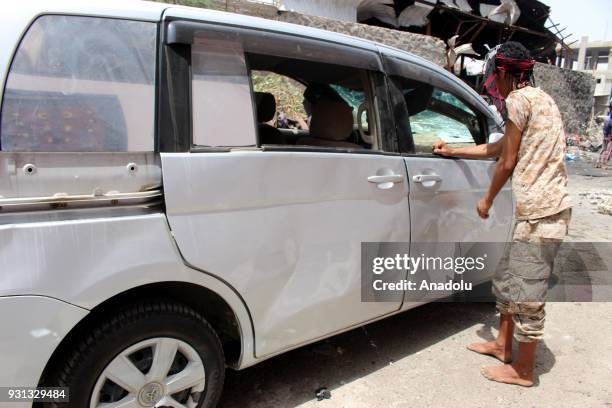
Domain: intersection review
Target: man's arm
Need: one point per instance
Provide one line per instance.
(483, 151)
(503, 168)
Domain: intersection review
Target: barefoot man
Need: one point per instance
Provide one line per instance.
(532, 152)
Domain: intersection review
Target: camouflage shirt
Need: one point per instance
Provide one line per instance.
(539, 181)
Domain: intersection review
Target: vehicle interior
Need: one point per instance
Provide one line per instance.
(435, 114)
(305, 103)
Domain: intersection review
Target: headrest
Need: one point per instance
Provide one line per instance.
(417, 100)
(331, 120)
(266, 106)
(315, 92)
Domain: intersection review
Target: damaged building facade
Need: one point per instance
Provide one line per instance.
(449, 33)
(595, 58)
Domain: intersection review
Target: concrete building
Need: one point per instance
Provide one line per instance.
(594, 57)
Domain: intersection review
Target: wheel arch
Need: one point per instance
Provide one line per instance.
(237, 345)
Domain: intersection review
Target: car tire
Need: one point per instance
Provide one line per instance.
(142, 335)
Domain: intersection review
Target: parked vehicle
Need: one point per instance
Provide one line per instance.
(156, 228)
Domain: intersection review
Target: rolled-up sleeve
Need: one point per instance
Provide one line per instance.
(519, 110)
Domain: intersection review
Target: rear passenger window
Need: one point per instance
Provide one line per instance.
(81, 84)
(435, 114)
(312, 104)
(253, 88)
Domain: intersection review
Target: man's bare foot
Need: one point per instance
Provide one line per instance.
(508, 374)
(491, 348)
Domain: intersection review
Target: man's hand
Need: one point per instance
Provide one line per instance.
(441, 148)
(483, 208)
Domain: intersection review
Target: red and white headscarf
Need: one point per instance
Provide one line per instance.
(495, 62)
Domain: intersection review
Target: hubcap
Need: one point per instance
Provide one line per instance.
(150, 394)
(157, 372)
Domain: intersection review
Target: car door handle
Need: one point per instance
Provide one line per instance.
(424, 178)
(388, 178)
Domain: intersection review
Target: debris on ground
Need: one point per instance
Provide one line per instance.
(592, 137)
(577, 154)
(572, 140)
(322, 393)
(599, 200)
(605, 206)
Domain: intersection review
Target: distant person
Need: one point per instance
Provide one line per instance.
(532, 152)
(606, 149)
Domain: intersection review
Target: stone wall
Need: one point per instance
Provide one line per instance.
(430, 48)
(573, 93)
(251, 9)
(345, 10)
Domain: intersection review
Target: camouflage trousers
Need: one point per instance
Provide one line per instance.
(520, 284)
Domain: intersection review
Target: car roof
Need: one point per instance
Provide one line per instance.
(154, 11)
(130, 9)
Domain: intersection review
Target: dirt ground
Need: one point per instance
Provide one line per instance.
(587, 187)
(419, 359)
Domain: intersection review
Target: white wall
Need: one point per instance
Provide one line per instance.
(345, 10)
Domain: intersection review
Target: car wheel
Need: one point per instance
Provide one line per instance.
(150, 354)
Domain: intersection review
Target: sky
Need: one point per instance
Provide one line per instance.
(592, 18)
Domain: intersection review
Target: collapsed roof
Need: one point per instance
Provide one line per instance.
(481, 23)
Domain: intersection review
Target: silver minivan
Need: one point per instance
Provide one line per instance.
(157, 225)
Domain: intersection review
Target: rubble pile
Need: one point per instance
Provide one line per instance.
(592, 138)
(605, 206)
(602, 201)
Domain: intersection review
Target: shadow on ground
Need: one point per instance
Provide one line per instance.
(292, 378)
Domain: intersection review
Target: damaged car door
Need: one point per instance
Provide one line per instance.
(429, 105)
